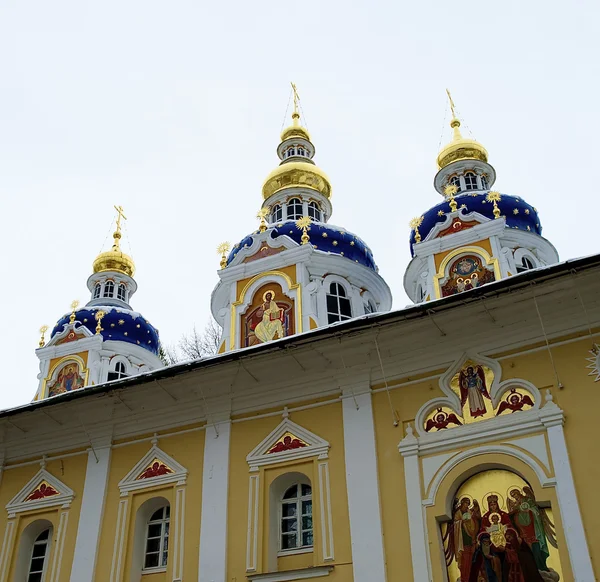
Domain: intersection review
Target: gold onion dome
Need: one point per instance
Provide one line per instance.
(460, 148)
(295, 172)
(115, 259)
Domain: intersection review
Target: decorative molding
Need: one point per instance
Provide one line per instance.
(118, 548)
(179, 531)
(326, 517)
(60, 546)
(252, 535)
(260, 455)
(7, 545)
(133, 482)
(19, 502)
(289, 575)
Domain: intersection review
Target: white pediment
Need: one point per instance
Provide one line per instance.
(42, 491)
(276, 448)
(154, 468)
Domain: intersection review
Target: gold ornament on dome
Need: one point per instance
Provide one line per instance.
(494, 197)
(115, 259)
(449, 191)
(99, 315)
(74, 306)
(289, 174)
(222, 250)
(414, 224)
(43, 331)
(304, 225)
(262, 216)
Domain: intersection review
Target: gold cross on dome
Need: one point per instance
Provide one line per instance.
(296, 97)
(451, 103)
(120, 214)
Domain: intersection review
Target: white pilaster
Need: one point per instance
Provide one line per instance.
(581, 563)
(368, 560)
(409, 448)
(213, 525)
(90, 518)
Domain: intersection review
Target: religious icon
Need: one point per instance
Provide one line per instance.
(68, 379)
(506, 544)
(441, 419)
(156, 469)
(288, 443)
(268, 319)
(43, 491)
(473, 390)
(532, 524)
(515, 401)
(466, 273)
(272, 319)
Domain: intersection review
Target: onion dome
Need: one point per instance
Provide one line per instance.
(460, 148)
(297, 168)
(324, 238)
(117, 324)
(115, 259)
(518, 214)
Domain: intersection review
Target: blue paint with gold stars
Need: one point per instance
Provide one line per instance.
(117, 325)
(517, 212)
(323, 237)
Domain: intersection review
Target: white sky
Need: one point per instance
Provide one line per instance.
(173, 109)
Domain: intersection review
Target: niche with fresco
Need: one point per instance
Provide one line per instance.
(500, 532)
(270, 316)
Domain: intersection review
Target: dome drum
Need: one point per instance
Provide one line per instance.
(459, 168)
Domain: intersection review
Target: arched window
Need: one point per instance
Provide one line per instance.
(296, 524)
(470, 181)
(97, 291)
(301, 151)
(484, 182)
(157, 539)
(120, 372)
(314, 211)
(121, 292)
(369, 307)
(338, 305)
(291, 152)
(455, 181)
(109, 289)
(294, 209)
(526, 265)
(277, 213)
(38, 561)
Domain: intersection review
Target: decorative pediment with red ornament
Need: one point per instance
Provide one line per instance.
(155, 468)
(42, 491)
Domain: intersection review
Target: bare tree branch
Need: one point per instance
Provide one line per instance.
(194, 345)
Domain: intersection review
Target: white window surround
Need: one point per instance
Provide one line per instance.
(26, 542)
(524, 253)
(289, 575)
(18, 503)
(260, 456)
(131, 483)
(37, 567)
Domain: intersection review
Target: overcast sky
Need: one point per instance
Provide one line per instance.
(174, 109)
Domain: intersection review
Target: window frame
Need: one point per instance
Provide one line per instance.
(291, 208)
(455, 180)
(299, 500)
(165, 522)
(344, 295)
(472, 183)
(118, 372)
(122, 292)
(97, 293)
(314, 211)
(277, 213)
(109, 290)
(37, 543)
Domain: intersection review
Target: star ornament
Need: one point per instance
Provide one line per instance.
(594, 362)
(223, 248)
(450, 189)
(416, 222)
(493, 196)
(303, 223)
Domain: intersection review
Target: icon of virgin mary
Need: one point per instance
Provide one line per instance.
(271, 324)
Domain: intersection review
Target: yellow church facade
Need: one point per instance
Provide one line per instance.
(329, 438)
(355, 401)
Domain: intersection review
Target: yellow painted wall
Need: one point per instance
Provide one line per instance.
(326, 422)
(187, 449)
(71, 471)
(290, 271)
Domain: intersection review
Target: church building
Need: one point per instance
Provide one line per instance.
(330, 437)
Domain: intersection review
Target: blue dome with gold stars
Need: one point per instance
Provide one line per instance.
(517, 212)
(118, 324)
(323, 237)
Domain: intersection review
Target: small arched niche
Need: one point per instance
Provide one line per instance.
(465, 272)
(269, 316)
(499, 531)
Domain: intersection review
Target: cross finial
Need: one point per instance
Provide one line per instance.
(452, 108)
(296, 114)
(120, 215)
(304, 225)
(43, 331)
(222, 250)
(449, 191)
(74, 306)
(262, 215)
